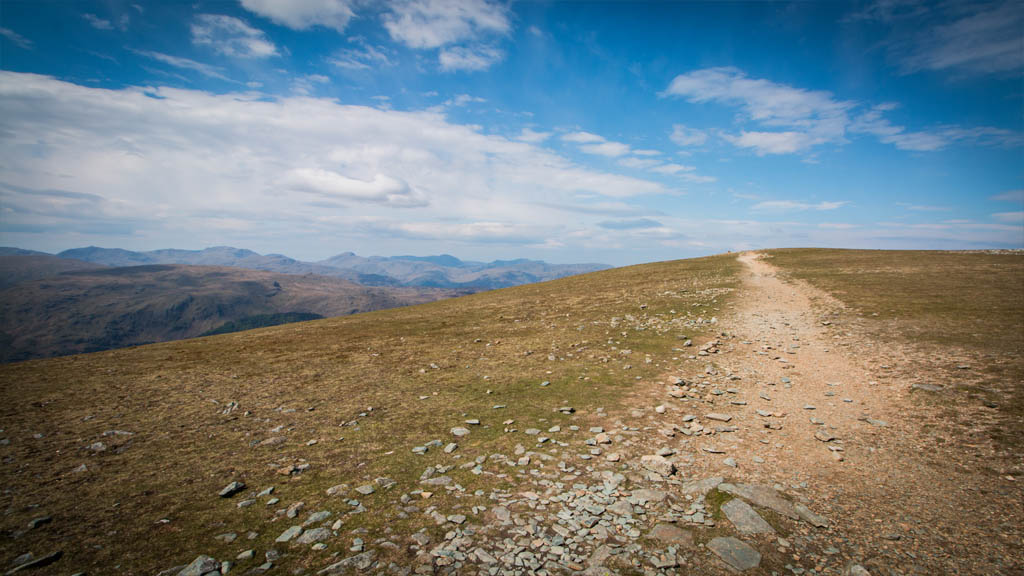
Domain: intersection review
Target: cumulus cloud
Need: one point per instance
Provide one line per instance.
(178, 162)
(231, 37)
(613, 149)
(462, 30)
(303, 14)
(436, 23)
(582, 137)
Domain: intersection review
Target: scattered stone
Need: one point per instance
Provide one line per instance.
(762, 496)
(814, 519)
(30, 564)
(360, 561)
(459, 431)
(200, 566)
(657, 464)
(824, 435)
(366, 489)
(719, 417)
(232, 489)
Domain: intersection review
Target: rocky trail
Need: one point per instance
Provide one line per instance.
(789, 452)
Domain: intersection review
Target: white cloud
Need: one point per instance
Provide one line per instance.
(837, 226)
(684, 136)
(790, 205)
(365, 57)
(185, 64)
(437, 23)
(470, 59)
(165, 164)
(770, 142)
(647, 152)
(923, 207)
(231, 37)
(380, 188)
(803, 119)
(16, 39)
(303, 14)
(533, 137)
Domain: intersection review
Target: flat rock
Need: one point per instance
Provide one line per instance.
(460, 431)
(288, 534)
(762, 496)
(46, 560)
(648, 495)
(745, 519)
(719, 417)
(735, 553)
(671, 534)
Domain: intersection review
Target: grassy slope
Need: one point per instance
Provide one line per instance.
(953, 307)
(329, 371)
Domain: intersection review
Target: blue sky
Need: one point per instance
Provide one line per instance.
(565, 131)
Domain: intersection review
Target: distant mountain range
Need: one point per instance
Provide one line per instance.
(442, 271)
(91, 299)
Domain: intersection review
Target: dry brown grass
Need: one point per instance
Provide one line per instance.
(153, 504)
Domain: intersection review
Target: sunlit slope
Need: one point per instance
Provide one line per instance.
(366, 388)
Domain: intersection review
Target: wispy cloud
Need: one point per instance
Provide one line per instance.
(813, 117)
(97, 22)
(684, 136)
(231, 36)
(632, 224)
(365, 57)
(923, 207)
(184, 64)
(16, 39)
(1009, 217)
(306, 85)
(791, 205)
(1010, 196)
(982, 38)
(468, 58)
(303, 14)
(533, 137)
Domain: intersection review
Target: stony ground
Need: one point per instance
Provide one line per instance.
(765, 440)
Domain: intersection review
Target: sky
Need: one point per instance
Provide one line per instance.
(610, 132)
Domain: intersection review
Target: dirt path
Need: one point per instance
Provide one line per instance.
(899, 503)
